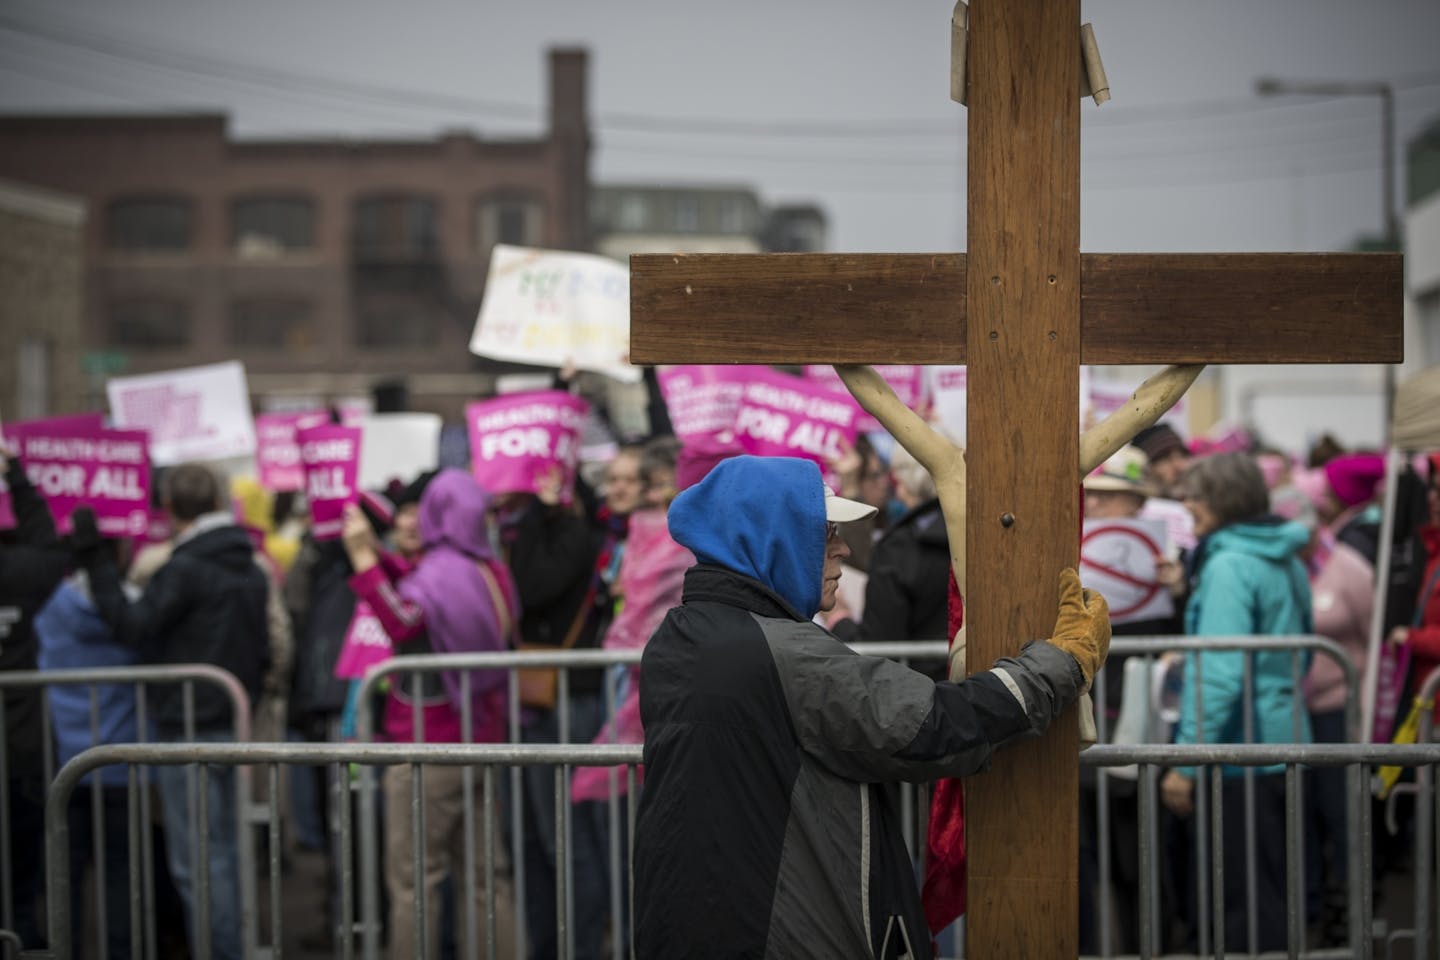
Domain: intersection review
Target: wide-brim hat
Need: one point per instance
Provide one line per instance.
(1124, 472)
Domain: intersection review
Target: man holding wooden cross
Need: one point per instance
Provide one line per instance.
(1023, 308)
(765, 828)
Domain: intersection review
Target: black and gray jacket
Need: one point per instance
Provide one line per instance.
(766, 827)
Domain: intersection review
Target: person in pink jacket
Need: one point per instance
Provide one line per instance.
(1342, 586)
(1424, 637)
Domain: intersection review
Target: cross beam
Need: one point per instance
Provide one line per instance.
(913, 308)
(1022, 310)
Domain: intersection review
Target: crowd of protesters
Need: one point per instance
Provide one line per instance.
(1259, 543)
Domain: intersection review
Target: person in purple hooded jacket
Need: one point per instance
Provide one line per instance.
(458, 597)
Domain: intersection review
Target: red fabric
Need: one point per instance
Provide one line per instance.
(943, 894)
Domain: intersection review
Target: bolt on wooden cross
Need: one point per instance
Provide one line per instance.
(1023, 308)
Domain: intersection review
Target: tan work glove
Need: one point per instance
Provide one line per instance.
(1082, 628)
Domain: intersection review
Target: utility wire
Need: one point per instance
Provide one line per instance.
(293, 82)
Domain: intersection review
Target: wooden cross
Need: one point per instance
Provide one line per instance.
(1024, 308)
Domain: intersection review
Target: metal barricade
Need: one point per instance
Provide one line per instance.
(144, 937)
(914, 802)
(1155, 647)
(1358, 760)
(270, 756)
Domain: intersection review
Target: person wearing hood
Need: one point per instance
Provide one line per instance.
(766, 827)
(457, 598)
(207, 604)
(1247, 580)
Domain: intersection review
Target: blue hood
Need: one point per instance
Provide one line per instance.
(763, 517)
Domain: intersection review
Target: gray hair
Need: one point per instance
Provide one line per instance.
(909, 474)
(1231, 485)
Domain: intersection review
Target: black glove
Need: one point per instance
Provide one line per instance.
(84, 538)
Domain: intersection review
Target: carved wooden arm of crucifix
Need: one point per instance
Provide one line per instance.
(946, 460)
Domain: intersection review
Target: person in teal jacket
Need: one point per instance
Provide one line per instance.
(1246, 580)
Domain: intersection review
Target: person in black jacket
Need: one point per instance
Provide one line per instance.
(765, 828)
(554, 553)
(205, 605)
(32, 564)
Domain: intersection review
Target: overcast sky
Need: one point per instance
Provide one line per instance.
(841, 104)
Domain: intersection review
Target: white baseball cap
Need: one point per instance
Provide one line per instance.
(840, 510)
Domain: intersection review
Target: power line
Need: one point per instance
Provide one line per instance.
(294, 83)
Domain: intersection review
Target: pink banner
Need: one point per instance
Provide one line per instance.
(702, 399)
(366, 644)
(519, 439)
(906, 380)
(75, 464)
(330, 455)
(277, 449)
(785, 416)
(10, 434)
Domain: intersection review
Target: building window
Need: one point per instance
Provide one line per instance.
(150, 223)
(633, 213)
(268, 226)
(273, 325)
(149, 324)
(396, 227)
(687, 215)
(508, 218)
(398, 325)
(735, 216)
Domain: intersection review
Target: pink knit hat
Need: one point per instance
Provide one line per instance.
(699, 455)
(1355, 476)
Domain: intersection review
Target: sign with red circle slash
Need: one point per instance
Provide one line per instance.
(1117, 557)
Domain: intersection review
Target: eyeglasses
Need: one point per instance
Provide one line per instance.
(832, 531)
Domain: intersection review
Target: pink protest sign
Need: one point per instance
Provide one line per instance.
(366, 644)
(702, 399)
(74, 465)
(330, 455)
(277, 453)
(785, 416)
(11, 433)
(906, 380)
(517, 440)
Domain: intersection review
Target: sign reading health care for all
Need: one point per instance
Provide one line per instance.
(906, 380)
(519, 441)
(556, 309)
(199, 413)
(330, 455)
(75, 462)
(10, 438)
(277, 453)
(785, 416)
(702, 399)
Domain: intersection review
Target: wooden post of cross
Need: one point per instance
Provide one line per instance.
(1024, 308)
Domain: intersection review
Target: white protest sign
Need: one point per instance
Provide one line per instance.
(949, 404)
(398, 445)
(198, 413)
(1107, 396)
(554, 308)
(1117, 557)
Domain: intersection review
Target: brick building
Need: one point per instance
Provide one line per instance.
(330, 268)
(41, 243)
